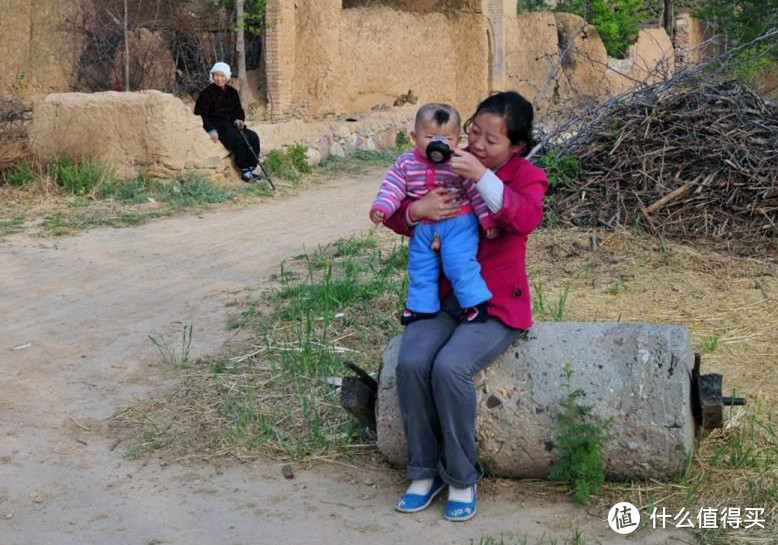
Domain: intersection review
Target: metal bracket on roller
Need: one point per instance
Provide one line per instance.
(707, 402)
(358, 395)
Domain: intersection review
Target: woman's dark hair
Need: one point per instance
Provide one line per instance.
(515, 110)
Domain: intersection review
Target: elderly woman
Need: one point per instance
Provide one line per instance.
(224, 120)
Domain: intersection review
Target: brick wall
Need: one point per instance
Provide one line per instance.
(280, 56)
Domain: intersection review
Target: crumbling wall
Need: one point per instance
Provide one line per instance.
(531, 55)
(471, 47)
(419, 6)
(693, 43)
(395, 61)
(148, 132)
(650, 59)
(347, 60)
(541, 44)
(318, 73)
(37, 52)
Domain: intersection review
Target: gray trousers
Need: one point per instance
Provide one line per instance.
(437, 361)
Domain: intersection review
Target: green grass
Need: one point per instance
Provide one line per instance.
(79, 178)
(354, 293)
(89, 184)
(338, 303)
(576, 538)
(542, 308)
(19, 175)
(12, 226)
(711, 343)
(170, 354)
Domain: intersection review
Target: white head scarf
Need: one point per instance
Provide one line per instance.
(222, 67)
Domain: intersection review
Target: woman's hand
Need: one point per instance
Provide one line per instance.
(214, 136)
(467, 165)
(435, 205)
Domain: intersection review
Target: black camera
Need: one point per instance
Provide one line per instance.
(438, 150)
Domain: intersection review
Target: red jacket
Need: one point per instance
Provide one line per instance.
(502, 259)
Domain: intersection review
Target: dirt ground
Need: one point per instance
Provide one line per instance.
(77, 312)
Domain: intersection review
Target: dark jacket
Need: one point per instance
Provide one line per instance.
(218, 106)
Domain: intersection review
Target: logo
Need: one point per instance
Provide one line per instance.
(624, 518)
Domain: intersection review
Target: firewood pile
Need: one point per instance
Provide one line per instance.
(685, 160)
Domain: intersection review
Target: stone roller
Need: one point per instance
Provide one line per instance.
(643, 377)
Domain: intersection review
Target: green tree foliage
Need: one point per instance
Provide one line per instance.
(617, 21)
(523, 6)
(739, 22)
(253, 14)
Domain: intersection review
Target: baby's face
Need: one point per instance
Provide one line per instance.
(426, 131)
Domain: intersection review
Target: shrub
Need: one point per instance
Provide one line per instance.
(402, 140)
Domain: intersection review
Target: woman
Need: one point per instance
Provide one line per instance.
(438, 356)
(224, 120)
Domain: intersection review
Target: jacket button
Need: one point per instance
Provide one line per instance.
(517, 292)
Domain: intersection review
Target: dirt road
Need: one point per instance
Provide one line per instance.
(76, 313)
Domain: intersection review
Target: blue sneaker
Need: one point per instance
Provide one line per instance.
(457, 511)
(411, 503)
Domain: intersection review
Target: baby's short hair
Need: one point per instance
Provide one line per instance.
(440, 113)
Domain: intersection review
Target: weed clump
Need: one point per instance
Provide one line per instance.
(580, 441)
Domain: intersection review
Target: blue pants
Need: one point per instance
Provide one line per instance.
(458, 248)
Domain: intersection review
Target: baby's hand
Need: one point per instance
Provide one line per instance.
(493, 232)
(376, 216)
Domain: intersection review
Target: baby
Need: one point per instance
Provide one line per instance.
(413, 175)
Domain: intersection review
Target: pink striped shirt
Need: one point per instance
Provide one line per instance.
(413, 175)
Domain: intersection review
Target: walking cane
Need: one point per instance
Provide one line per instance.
(256, 156)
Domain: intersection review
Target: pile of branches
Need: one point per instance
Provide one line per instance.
(685, 158)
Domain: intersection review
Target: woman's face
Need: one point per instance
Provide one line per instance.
(219, 79)
(488, 140)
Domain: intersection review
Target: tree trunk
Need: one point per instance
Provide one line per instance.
(241, 48)
(126, 51)
(668, 19)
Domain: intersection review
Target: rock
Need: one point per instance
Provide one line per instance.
(337, 150)
(636, 374)
(313, 157)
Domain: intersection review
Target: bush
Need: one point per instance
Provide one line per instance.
(289, 164)
(402, 140)
(562, 170)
